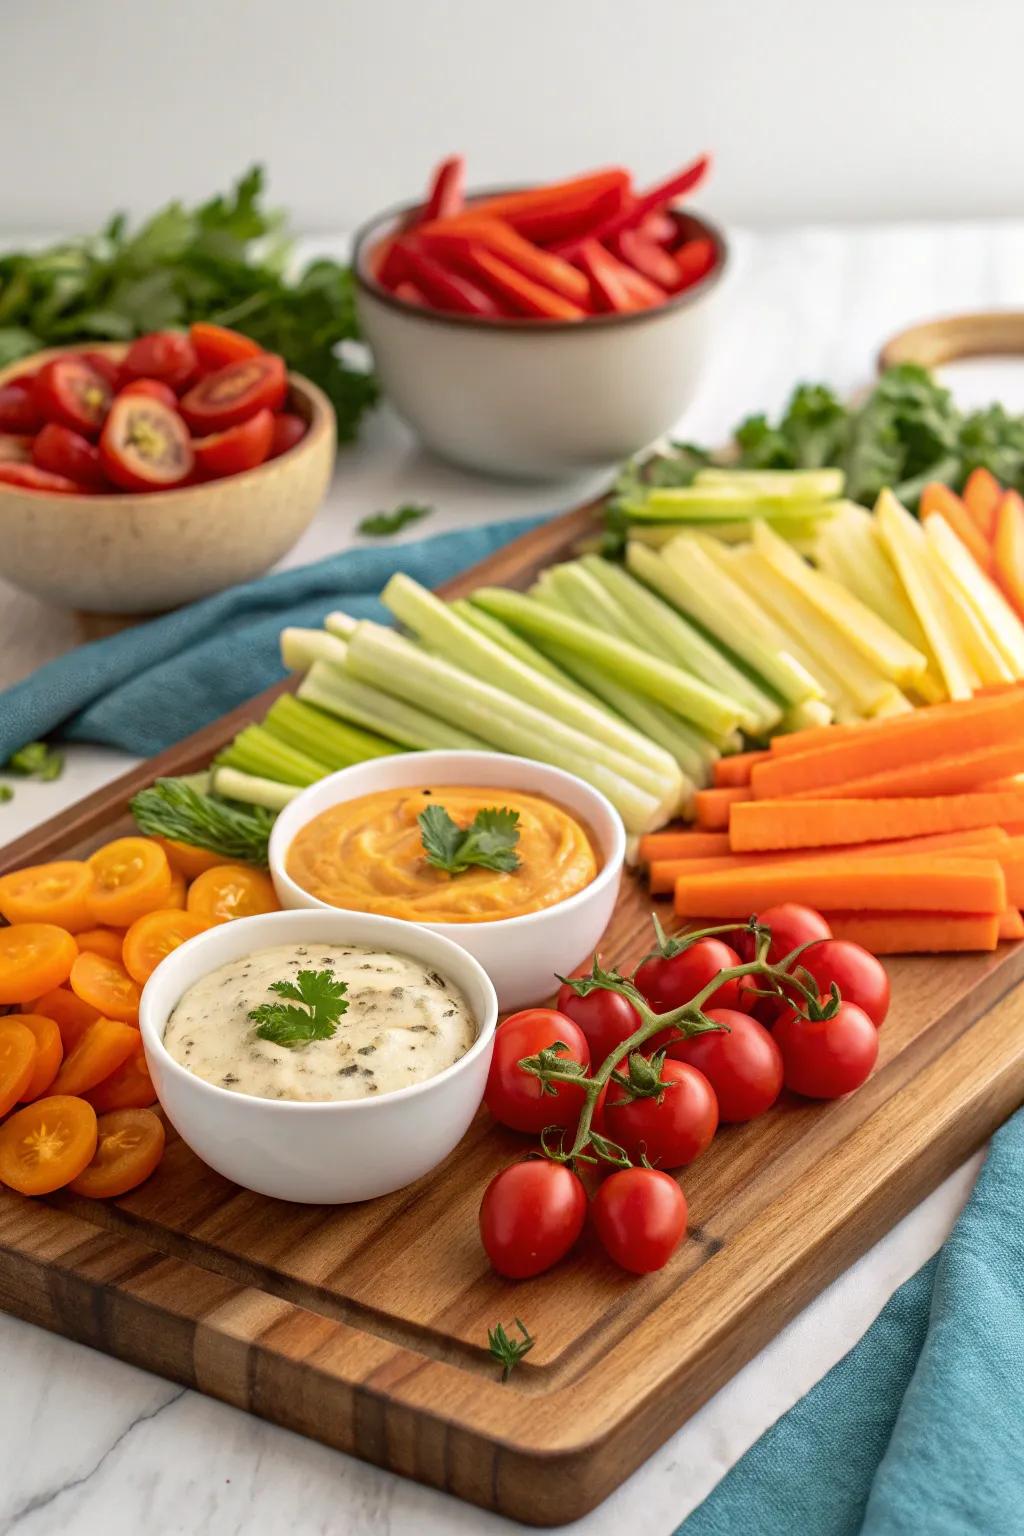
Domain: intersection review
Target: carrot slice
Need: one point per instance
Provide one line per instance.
(106, 985)
(100, 1051)
(234, 890)
(71, 1016)
(730, 771)
(48, 893)
(33, 958)
(681, 845)
(1011, 924)
(49, 1051)
(916, 933)
(47, 1144)
(186, 860)
(981, 497)
(939, 501)
(932, 884)
(131, 876)
(101, 941)
(950, 775)
(150, 939)
(128, 1087)
(712, 806)
(761, 825)
(17, 1061)
(129, 1145)
(1009, 549)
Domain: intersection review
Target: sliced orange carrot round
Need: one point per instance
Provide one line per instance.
(49, 1051)
(17, 1060)
(101, 941)
(150, 939)
(129, 1087)
(188, 861)
(106, 985)
(48, 893)
(71, 1016)
(33, 958)
(229, 891)
(131, 876)
(47, 1144)
(100, 1051)
(129, 1144)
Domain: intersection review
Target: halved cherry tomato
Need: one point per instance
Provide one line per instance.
(72, 392)
(129, 1087)
(131, 876)
(236, 449)
(178, 893)
(231, 890)
(145, 446)
(49, 1051)
(129, 1145)
(29, 478)
(104, 364)
(64, 452)
(106, 985)
(100, 941)
(33, 958)
(216, 345)
(289, 429)
(150, 939)
(186, 860)
(17, 1061)
(101, 1050)
(70, 1014)
(48, 893)
(18, 409)
(166, 355)
(47, 1144)
(153, 389)
(15, 448)
(235, 393)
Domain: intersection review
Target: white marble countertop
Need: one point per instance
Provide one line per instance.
(88, 1444)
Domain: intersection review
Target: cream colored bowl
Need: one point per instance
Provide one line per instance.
(143, 554)
(536, 400)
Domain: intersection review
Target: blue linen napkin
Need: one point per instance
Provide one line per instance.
(919, 1430)
(149, 686)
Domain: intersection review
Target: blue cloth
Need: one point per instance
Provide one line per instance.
(919, 1430)
(151, 685)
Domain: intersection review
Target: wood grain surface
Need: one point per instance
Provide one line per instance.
(366, 1326)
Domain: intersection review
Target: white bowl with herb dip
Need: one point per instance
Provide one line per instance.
(321, 1057)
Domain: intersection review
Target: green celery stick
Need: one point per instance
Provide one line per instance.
(340, 694)
(308, 729)
(252, 790)
(301, 647)
(255, 750)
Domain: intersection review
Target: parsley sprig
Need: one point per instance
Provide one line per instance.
(381, 525)
(315, 1003)
(489, 841)
(508, 1351)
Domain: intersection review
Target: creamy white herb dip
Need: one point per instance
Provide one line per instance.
(404, 1023)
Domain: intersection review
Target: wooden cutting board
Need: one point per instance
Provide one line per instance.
(366, 1326)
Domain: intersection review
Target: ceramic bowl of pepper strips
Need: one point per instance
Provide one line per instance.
(543, 332)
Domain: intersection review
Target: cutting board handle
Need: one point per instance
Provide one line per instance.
(934, 342)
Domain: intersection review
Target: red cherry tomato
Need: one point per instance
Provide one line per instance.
(239, 448)
(18, 409)
(669, 981)
(289, 429)
(860, 976)
(640, 1216)
(825, 1058)
(104, 364)
(145, 447)
(606, 1018)
(514, 1097)
(233, 394)
(791, 924)
(29, 478)
(216, 345)
(15, 448)
(73, 393)
(671, 1130)
(530, 1216)
(68, 453)
(744, 1067)
(165, 355)
(153, 389)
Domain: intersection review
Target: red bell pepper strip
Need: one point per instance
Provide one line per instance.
(446, 197)
(445, 289)
(660, 227)
(410, 294)
(520, 293)
(695, 260)
(648, 202)
(387, 262)
(616, 288)
(562, 211)
(634, 248)
(499, 237)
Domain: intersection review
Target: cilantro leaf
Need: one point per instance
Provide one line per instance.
(315, 1003)
(36, 760)
(489, 841)
(381, 525)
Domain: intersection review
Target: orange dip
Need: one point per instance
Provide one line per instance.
(366, 855)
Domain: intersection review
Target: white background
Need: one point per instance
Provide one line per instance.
(816, 110)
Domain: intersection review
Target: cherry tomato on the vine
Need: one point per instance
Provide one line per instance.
(514, 1097)
(606, 1018)
(640, 1216)
(669, 1129)
(670, 980)
(825, 1058)
(743, 1065)
(791, 924)
(860, 976)
(530, 1216)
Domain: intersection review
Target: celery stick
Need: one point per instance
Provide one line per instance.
(339, 694)
(379, 656)
(255, 750)
(621, 749)
(252, 790)
(984, 596)
(301, 647)
(801, 533)
(806, 716)
(719, 503)
(500, 633)
(625, 662)
(301, 725)
(815, 484)
(904, 541)
(340, 624)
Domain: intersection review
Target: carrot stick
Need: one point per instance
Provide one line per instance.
(712, 806)
(916, 933)
(951, 775)
(1011, 857)
(682, 845)
(1011, 924)
(981, 498)
(730, 771)
(932, 883)
(761, 825)
(815, 736)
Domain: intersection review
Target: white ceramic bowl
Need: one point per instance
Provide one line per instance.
(319, 1153)
(536, 400)
(522, 955)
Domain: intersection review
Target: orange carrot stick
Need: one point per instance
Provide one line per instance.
(939, 501)
(1008, 548)
(952, 775)
(730, 771)
(1011, 924)
(916, 933)
(1011, 857)
(682, 845)
(932, 884)
(815, 736)
(761, 825)
(981, 498)
(712, 806)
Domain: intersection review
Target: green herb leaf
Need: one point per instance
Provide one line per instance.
(508, 1351)
(489, 841)
(173, 809)
(6, 793)
(36, 760)
(315, 1003)
(383, 524)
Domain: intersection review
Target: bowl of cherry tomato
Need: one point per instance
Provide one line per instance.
(137, 477)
